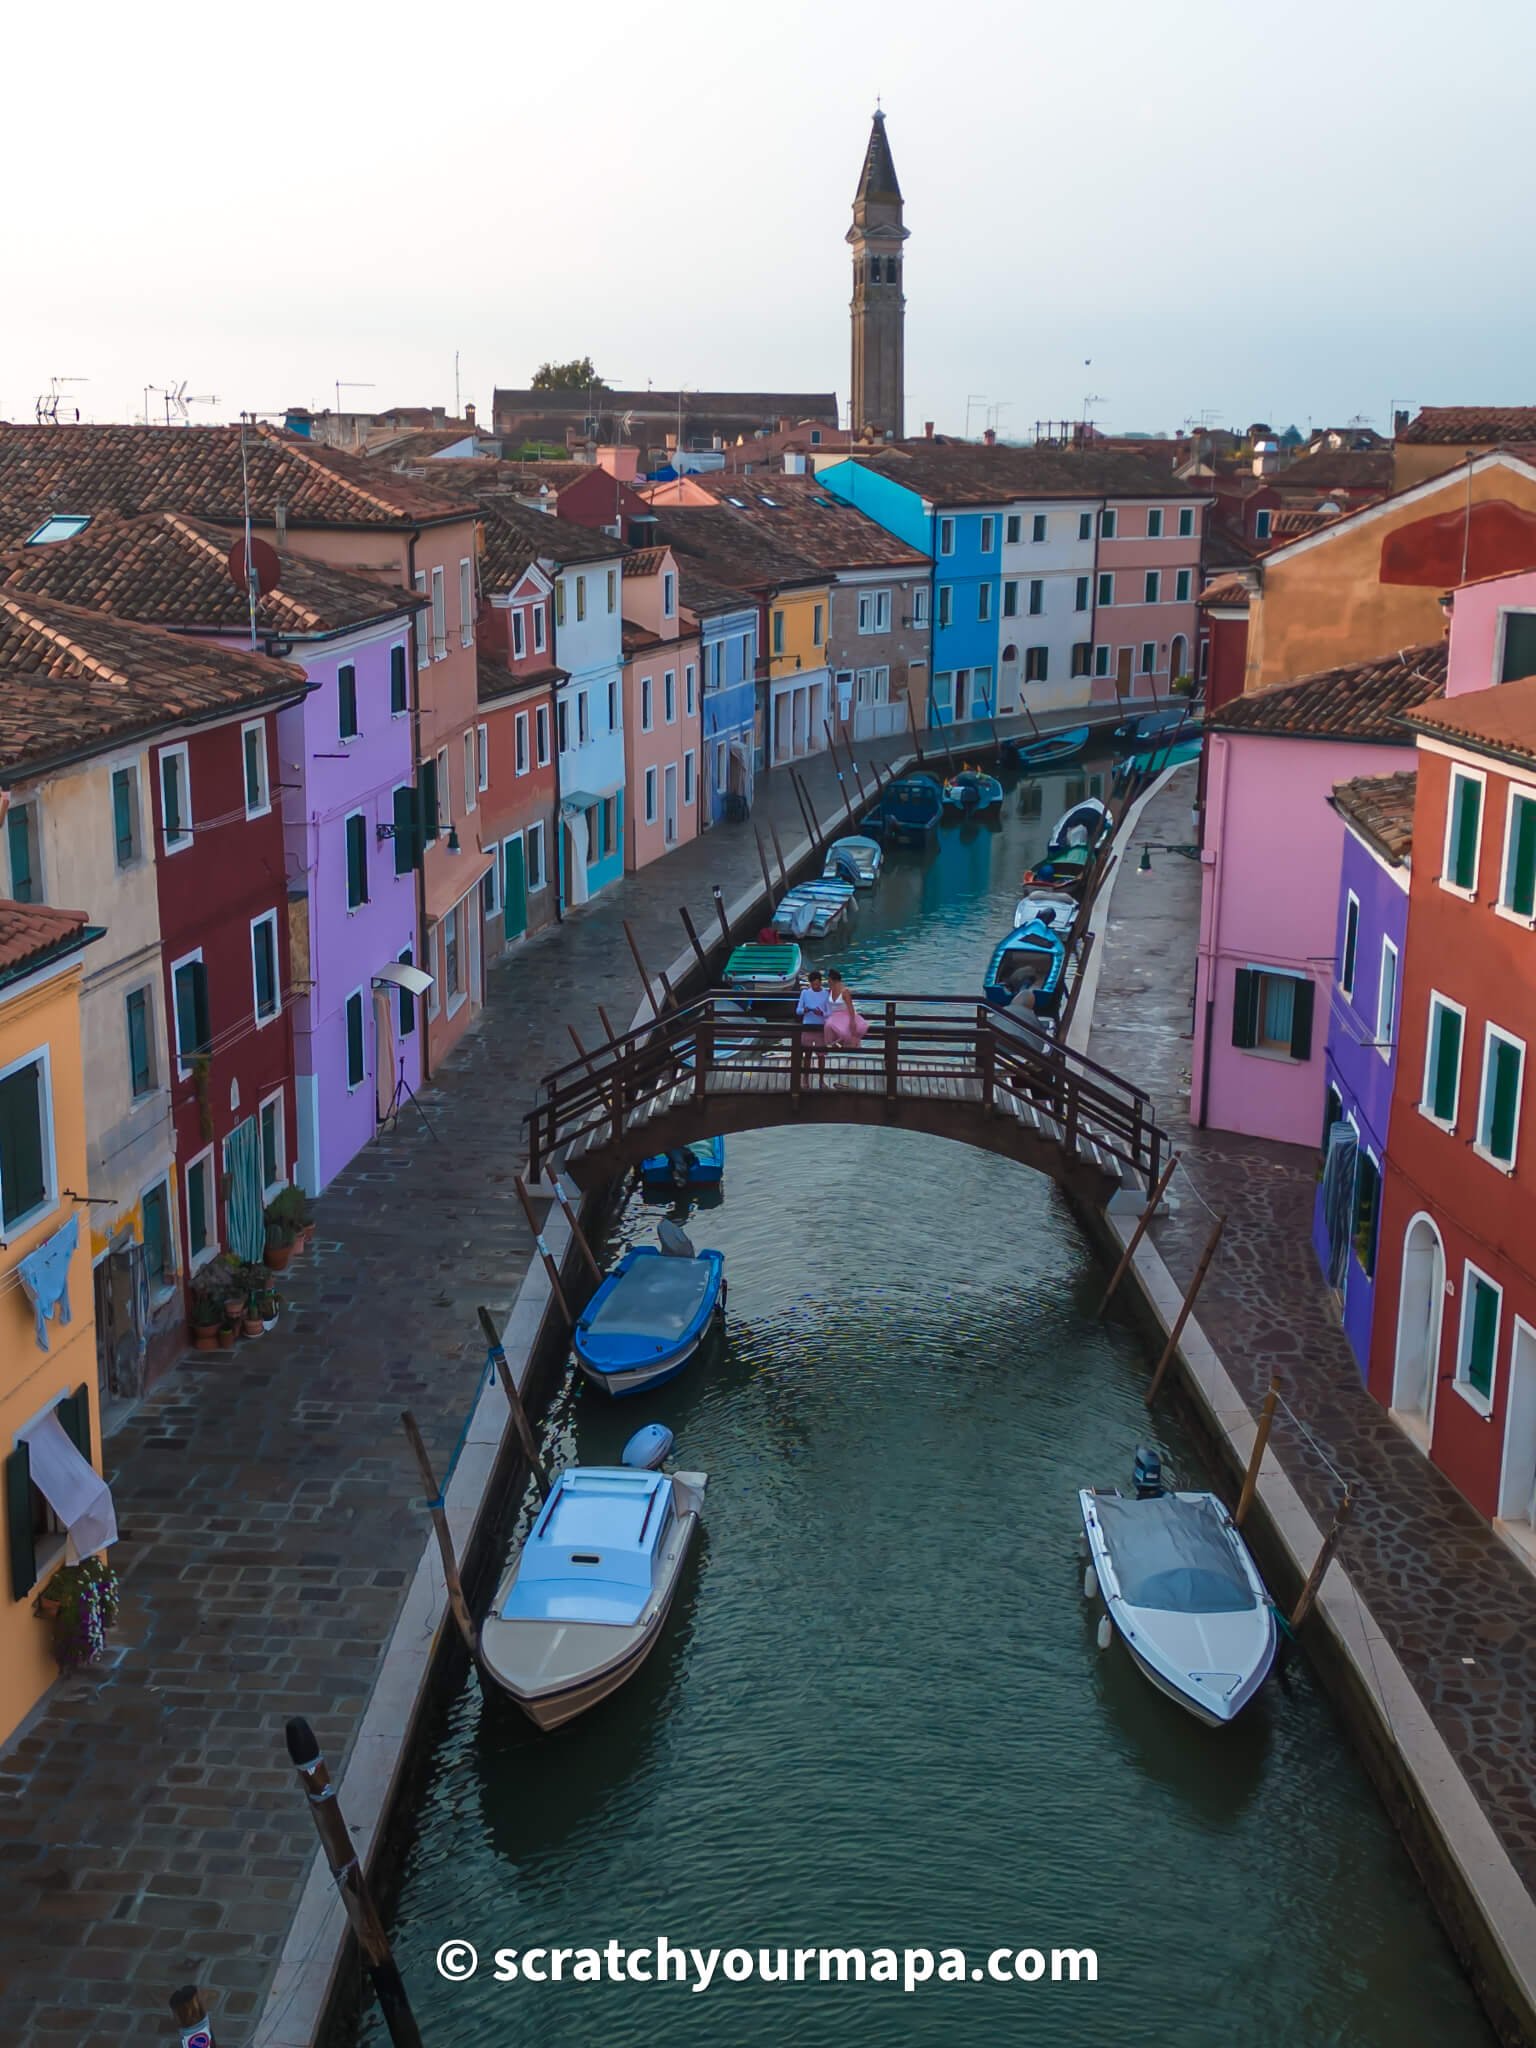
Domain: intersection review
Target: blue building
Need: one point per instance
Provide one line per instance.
(1361, 1052)
(727, 621)
(936, 506)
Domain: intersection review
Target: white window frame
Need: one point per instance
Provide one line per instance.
(204, 1160)
(1154, 513)
(1481, 1404)
(271, 1188)
(521, 758)
(946, 535)
(1153, 592)
(1039, 528)
(988, 534)
(264, 806)
(535, 832)
(19, 1224)
(1516, 792)
(269, 917)
(690, 689)
(162, 1289)
(649, 810)
(669, 695)
(466, 602)
(180, 753)
(456, 1002)
(1349, 961)
(419, 624)
(1426, 1088)
(1145, 667)
(1186, 522)
(1263, 520)
(1108, 521)
(444, 792)
(984, 602)
(540, 634)
(1104, 593)
(433, 952)
(690, 778)
(668, 594)
(1463, 774)
(541, 735)
(1484, 1104)
(583, 720)
(519, 633)
(471, 776)
(184, 1066)
(493, 876)
(1183, 585)
(439, 615)
(482, 757)
(1383, 1035)
(362, 1080)
(920, 605)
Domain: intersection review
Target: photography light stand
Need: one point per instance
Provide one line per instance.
(415, 981)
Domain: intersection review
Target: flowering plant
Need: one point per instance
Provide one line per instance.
(83, 1601)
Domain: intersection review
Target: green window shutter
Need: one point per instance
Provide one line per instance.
(1519, 647)
(74, 1413)
(407, 1000)
(1301, 1021)
(1351, 944)
(1485, 1330)
(397, 683)
(346, 700)
(157, 1236)
(1467, 819)
(18, 1521)
(122, 817)
(1367, 1211)
(200, 1005)
(197, 1210)
(1520, 874)
(170, 794)
(357, 861)
(1506, 1091)
(427, 783)
(138, 1042)
(354, 1041)
(266, 970)
(405, 829)
(1446, 1041)
(19, 839)
(23, 1169)
(1245, 1008)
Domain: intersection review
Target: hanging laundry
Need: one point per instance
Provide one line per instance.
(45, 1275)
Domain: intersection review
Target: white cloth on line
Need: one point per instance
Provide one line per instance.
(71, 1485)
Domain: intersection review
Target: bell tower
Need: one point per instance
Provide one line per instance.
(878, 308)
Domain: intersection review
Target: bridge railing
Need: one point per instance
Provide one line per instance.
(912, 1040)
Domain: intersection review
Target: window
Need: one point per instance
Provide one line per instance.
(1351, 944)
(1182, 586)
(562, 722)
(1085, 526)
(1107, 523)
(1101, 661)
(1442, 1061)
(1498, 1110)
(159, 1251)
(439, 616)
(189, 989)
(26, 1142)
(1036, 661)
(1186, 521)
(1149, 657)
(1154, 522)
(647, 704)
(1154, 587)
(274, 1146)
(1013, 528)
(356, 1062)
(444, 787)
(668, 593)
(1272, 1013)
(264, 966)
(669, 696)
(399, 695)
(988, 535)
(453, 958)
(466, 604)
(919, 607)
(346, 701)
(471, 774)
(1463, 828)
(1386, 999)
(403, 808)
(139, 1005)
(1038, 527)
(1106, 588)
(1082, 652)
(1262, 520)
(1010, 600)
(689, 691)
(613, 591)
(175, 800)
(983, 602)
(1080, 595)
(202, 1234)
(21, 846)
(490, 890)
(407, 1004)
(581, 599)
(817, 620)
(430, 815)
(1478, 1343)
(946, 536)
(520, 743)
(946, 603)
(533, 847)
(874, 611)
(650, 796)
(420, 626)
(538, 628)
(688, 772)
(1036, 596)
(59, 526)
(1367, 1210)
(778, 632)
(1517, 891)
(356, 829)
(541, 735)
(583, 718)
(125, 814)
(519, 634)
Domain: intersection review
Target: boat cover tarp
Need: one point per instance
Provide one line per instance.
(658, 1298)
(1174, 1555)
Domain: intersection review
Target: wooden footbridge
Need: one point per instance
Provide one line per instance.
(942, 1064)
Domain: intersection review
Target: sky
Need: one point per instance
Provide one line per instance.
(1146, 213)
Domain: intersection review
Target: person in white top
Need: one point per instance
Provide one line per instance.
(813, 1009)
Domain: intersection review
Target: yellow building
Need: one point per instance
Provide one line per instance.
(57, 1508)
(799, 704)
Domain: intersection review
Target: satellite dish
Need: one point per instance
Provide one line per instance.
(269, 571)
(674, 1241)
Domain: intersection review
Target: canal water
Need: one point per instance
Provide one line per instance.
(879, 1716)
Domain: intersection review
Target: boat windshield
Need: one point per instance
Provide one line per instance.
(1175, 1555)
(658, 1297)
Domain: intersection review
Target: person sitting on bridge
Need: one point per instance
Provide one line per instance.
(813, 1009)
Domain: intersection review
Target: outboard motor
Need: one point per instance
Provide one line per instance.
(1147, 1473)
(648, 1448)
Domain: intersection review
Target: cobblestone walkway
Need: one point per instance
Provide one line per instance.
(1443, 1588)
(151, 1831)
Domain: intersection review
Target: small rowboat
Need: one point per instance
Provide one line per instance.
(699, 1165)
(1067, 870)
(1153, 729)
(1029, 961)
(1085, 824)
(1061, 903)
(813, 909)
(910, 808)
(854, 859)
(972, 792)
(1052, 750)
(764, 970)
(651, 1314)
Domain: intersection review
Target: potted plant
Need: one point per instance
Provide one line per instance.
(254, 1280)
(1181, 686)
(271, 1307)
(80, 1603)
(290, 1207)
(282, 1239)
(226, 1335)
(207, 1311)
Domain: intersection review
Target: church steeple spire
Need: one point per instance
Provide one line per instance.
(878, 309)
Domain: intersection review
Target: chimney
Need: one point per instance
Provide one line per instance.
(1266, 458)
(927, 430)
(1399, 421)
(784, 426)
(794, 463)
(989, 437)
(469, 412)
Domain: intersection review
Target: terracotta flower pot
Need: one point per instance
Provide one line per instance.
(227, 1337)
(206, 1339)
(48, 1609)
(234, 1307)
(278, 1255)
(253, 1326)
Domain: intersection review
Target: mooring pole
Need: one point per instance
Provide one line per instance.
(1188, 1303)
(520, 1422)
(762, 861)
(1079, 961)
(1315, 1577)
(821, 837)
(794, 783)
(693, 938)
(917, 744)
(458, 1606)
(778, 854)
(191, 2015)
(1034, 724)
(725, 923)
(388, 1985)
(645, 979)
(1143, 1224)
(568, 1210)
(550, 1268)
(1256, 1458)
(603, 1019)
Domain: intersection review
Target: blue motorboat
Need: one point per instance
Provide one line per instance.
(854, 859)
(973, 793)
(1052, 750)
(1084, 824)
(910, 807)
(1151, 729)
(650, 1315)
(1031, 961)
(699, 1165)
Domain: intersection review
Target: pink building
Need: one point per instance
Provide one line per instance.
(662, 805)
(1270, 882)
(1147, 577)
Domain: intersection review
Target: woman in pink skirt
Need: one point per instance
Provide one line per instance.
(845, 1028)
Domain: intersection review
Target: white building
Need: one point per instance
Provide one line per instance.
(1045, 616)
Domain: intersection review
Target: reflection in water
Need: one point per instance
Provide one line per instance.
(878, 1714)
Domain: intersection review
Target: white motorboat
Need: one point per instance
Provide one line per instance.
(585, 1600)
(813, 909)
(1036, 901)
(854, 859)
(1182, 1593)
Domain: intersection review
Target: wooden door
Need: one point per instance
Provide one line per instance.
(514, 890)
(1123, 670)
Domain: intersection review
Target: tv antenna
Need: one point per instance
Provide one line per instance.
(1092, 399)
(177, 402)
(349, 384)
(51, 404)
(972, 398)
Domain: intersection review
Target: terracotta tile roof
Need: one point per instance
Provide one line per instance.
(804, 516)
(1476, 424)
(493, 679)
(637, 638)
(74, 682)
(1291, 524)
(1499, 721)
(516, 534)
(746, 553)
(400, 451)
(1363, 700)
(1342, 469)
(703, 596)
(28, 931)
(1380, 807)
(165, 570)
(1232, 591)
(1225, 547)
(645, 561)
(196, 471)
(765, 408)
(969, 473)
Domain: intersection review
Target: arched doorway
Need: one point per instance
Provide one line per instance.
(1008, 681)
(1420, 1307)
(1178, 658)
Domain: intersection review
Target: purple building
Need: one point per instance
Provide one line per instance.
(1361, 1050)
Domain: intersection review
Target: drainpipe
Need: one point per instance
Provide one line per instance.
(557, 846)
(421, 842)
(1208, 944)
(933, 606)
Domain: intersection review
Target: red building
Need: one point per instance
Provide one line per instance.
(221, 886)
(1453, 1346)
(518, 679)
